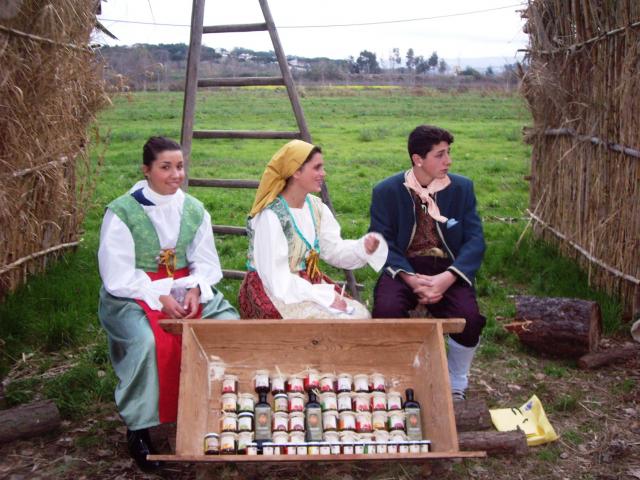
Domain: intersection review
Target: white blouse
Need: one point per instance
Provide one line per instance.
(271, 254)
(116, 254)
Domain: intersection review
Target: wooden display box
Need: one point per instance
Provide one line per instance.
(409, 352)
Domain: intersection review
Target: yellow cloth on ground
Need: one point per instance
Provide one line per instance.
(281, 166)
(530, 418)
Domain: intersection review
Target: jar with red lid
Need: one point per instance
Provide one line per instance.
(311, 380)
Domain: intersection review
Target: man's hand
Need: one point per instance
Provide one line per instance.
(192, 302)
(171, 307)
(429, 288)
(371, 243)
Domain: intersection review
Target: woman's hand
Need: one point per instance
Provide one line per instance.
(339, 303)
(171, 307)
(371, 243)
(192, 302)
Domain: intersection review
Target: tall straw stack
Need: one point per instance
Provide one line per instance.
(50, 89)
(582, 88)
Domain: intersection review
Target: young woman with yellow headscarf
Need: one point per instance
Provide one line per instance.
(289, 231)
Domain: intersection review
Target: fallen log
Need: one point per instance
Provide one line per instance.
(28, 420)
(494, 443)
(471, 415)
(600, 359)
(566, 327)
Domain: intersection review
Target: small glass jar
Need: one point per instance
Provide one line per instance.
(296, 437)
(295, 384)
(361, 383)
(267, 448)
(335, 449)
(244, 439)
(280, 421)
(414, 447)
(290, 449)
(229, 422)
(344, 401)
(230, 384)
(311, 380)
(394, 401)
(261, 381)
(347, 421)
(296, 422)
(425, 446)
(277, 384)
(331, 437)
(229, 402)
(313, 448)
(245, 422)
(363, 422)
(211, 444)
(378, 401)
(381, 447)
(296, 402)
(327, 382)
(367, 443)
(396, 420)
(252, 449)
(344, 383)
(301, 449)
(398, 436)
(280, 438)
(328, 401)
(403, 447)
(392, 447)
(228, 441)
(361, 403)
(330, 420)
(381, 436)
(325, 448)
(377, 382)
(281, 403)
(246, 402)
(379, 420)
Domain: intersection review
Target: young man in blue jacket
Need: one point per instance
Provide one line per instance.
(428, 217)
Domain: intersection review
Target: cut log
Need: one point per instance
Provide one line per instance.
(472, 415)
(494, 443)
(565, 327)
(600, 359)
(28, 420)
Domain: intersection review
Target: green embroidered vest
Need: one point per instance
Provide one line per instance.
(145, 237)
(298, 251)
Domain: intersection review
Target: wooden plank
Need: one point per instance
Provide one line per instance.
(233, 274)
(229, 230)
(408, 457)
(239, 81)
(194, 397)
(258, 135)
(242, 27)
(193, 59)
(223, 183)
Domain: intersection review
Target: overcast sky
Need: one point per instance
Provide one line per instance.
(493, 33)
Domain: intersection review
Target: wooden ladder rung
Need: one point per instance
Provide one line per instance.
(223, 183)
(233, 274)
(240, 81)
(241, 27)
(229, 230)
(245, 134)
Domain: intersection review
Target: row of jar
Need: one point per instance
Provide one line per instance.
(309, 380)
(295, 402)
(332, 420)
(345, 443)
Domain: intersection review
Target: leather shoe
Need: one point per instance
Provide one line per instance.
(139, 445)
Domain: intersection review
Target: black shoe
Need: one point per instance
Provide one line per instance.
(139, 445)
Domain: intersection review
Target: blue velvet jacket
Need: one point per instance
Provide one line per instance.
(393, 216)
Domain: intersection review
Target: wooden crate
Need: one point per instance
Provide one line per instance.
(409, 352)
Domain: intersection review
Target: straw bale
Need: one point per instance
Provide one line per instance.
(583, 80)
(50, 90)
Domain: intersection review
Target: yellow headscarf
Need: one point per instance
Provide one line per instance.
(282, 165)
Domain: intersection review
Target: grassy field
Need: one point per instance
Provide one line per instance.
(52, 323)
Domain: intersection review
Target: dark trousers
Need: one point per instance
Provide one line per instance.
(394, 299)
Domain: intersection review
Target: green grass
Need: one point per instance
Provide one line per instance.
(363, 133)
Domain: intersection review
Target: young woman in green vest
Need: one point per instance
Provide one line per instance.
(157, 260)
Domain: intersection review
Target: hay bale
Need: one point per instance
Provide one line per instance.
(51, 88)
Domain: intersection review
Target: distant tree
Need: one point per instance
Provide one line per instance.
(433, 61)
(410, 59)
(353, 66)
(394, 58)
(471, 72)
(422, 66)
(367, 62)
(442, 66)
(489, 72)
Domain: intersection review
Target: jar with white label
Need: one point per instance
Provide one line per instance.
(229, 422)
(252, 449)
(261, 381)
(361, 402)
(379, 420)
(281, 403)
(327, 382)
(363, 422)
(296, 402)
(361, 383)
(311, 380)
(244, 439)
(296, 422)
(344, 383)
(245, 422)
(211, 444)
(377, 382)
(313, 448)
(228, 441)
(267, 448)
(331, 437)
(280, 438)
(328, 401)
(330, 420)
(347, 420)
(246, 402)
(425, 446)
(344, 401)
(378, 401)
(394, 400)
(280, 421)
(396, 420)
(277, 384)
(230, 384)
(347, 440)
(229, 402)
(295, 384)
(325, 448)
(414, 446)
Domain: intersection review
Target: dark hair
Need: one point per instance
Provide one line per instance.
(155, 146)
(313, 151)
(424, 137)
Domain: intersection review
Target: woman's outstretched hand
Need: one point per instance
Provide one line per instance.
(371, 243)
(171, 307)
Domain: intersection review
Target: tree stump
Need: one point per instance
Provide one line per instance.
(28, 420)
(614, 355)
(495, 443)
(565, 327)
(472, 414)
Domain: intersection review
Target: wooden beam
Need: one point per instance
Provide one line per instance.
(243, 27)
(223, 183)
(229, 230)
(240, 81)
(258, 135)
